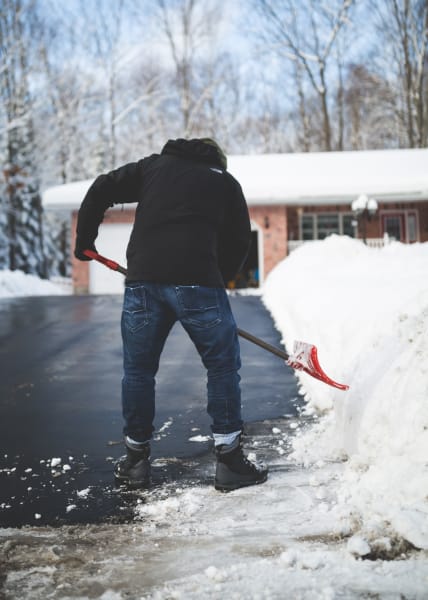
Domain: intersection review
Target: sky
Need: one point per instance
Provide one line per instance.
(344, 511)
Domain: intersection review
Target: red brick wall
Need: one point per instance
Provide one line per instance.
(272, 221)
(423, 221)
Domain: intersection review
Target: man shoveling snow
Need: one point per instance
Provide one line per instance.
(191, 234)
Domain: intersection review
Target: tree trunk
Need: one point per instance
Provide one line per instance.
(325, 112)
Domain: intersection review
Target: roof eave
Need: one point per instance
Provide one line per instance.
(332, 200)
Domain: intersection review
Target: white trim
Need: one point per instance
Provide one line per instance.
(260, 251)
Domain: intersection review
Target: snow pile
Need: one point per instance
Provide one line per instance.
(17, 283)
(367, 312)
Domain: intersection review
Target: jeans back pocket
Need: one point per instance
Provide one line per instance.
(135, 311)
(199, 305)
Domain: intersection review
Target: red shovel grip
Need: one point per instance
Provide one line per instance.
(111, 264)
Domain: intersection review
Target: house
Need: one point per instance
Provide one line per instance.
(292, 199)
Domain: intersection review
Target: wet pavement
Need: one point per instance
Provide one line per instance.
(60, 414)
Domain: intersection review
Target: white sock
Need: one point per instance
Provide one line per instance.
(132, 442)
(225, 438)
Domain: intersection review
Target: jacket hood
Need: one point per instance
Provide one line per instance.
(203, 150)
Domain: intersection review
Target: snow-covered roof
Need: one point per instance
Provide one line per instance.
(307, 178)
(67, 196)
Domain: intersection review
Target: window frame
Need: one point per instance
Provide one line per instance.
(404, 215)
(314, 215)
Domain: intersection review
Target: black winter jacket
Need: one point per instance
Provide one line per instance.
(191, 224)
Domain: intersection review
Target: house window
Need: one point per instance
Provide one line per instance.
(348, 223)
(308, 227)
(400, 225)
(327, 224)
(393, 226)
(412, 228)
(319, 226)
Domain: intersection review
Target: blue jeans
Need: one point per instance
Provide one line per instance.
(149, 312)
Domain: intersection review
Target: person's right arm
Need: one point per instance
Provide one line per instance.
(117, 187)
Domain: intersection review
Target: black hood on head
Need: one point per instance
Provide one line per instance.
(197, 149)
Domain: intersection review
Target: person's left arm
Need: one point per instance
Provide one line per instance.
(234, 237)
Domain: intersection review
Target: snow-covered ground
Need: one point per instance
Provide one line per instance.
(344, 513)
(17, 283)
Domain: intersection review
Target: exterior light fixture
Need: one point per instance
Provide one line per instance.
(364, 208)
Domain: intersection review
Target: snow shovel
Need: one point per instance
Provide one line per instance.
(304, 357)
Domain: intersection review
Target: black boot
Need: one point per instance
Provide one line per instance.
(133, 469)
(234, 470)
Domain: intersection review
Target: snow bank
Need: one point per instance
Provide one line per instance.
(367, 311)
(17, 283)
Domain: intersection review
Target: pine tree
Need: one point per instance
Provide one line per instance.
(21, 221)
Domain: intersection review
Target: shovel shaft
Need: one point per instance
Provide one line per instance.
(111, 264)
(305, 360)
(262, 344)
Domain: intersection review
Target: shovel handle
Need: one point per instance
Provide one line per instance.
(111, 264)
(255, 340)
(309, 365)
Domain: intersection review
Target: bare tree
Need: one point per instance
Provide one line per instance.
(103, 24)
(190, 28)
(369, 110)
(61, 144)
(143, 110)
(304, 135)
(402, 27)
(306, 33)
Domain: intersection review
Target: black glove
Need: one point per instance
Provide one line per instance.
(80, 247)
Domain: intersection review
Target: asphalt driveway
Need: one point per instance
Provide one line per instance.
(60, 414)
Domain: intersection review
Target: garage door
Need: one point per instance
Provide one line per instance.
(112, 241)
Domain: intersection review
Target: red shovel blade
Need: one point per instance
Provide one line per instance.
(305, 358)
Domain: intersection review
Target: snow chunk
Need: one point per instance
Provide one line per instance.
(358, 546)
(200, 438)
(288, 557)
(215, 574)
